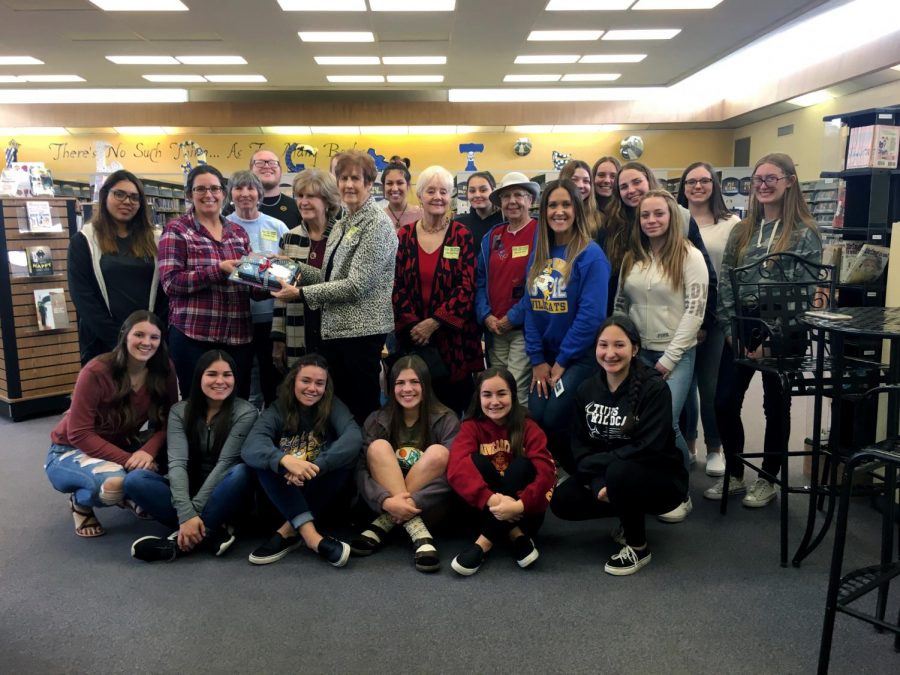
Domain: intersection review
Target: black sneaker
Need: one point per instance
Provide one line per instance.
(275, 549)
(525, 551)
(154, 549)
(336, 552)
(469, 561)
(627, 561)
(220, 540)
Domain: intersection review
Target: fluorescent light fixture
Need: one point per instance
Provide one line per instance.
(236, 78)
(415, 78)
(165, 77)
(432, 130)
(143, 60)
(612, 58)
(336, 36)
(140, 5)
(560, 94)
(31, 96)
(675, 4)
(336, 131)
(412, 5)
(414, 60)
(531, 129)
(347, 60)
(591, 77)
(564, 35)
(34, 131)
(533, 78)
(355, 78)
(8, 79)
(897, 67)
(385, 131)
(140, 131)
(52, 78)
(812, 98)
(584, 128)
(212, 60)
(587, 5)
(650, 34)
(20, 61)
(546, 58)
(480, 130)
(317, 5)
(287, 131)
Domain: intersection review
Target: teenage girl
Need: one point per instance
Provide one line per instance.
(402, 475)
(579, 173)
(604, 172)
(483, 214)
(396, 181)
(499, 464)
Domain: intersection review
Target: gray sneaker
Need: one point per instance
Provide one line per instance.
(761, 493)
(735, 487)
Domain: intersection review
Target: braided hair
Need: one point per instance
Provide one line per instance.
(638, 372)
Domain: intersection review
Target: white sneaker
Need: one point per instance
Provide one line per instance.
(679, 513)
(736, 486)
(762, 493)
(715, 464)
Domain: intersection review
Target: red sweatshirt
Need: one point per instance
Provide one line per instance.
(488, 438)
(82, 428)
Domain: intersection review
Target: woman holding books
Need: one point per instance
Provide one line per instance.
(112, 265)
(100, 439)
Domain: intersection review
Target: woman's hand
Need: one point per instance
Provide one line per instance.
(662, 370)
(540, 380)
(508, 509)
(190, 533)
(556, 373)
(492, 324)
(494, 499)
(299, 470)
(287, 293)
(421, 333)
(228, 266)
(400, 507)
(140, 459)
(504, 325)
(279, 356)
(601, 496)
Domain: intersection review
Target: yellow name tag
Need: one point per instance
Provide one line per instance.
(269, 235)
(519, 251)
(451, 252)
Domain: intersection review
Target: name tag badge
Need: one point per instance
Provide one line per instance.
(269, 235)
(520, 251)
(559, 388)
(451, 252)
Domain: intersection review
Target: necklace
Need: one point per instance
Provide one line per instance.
(443, 225)
(395, 216)
(265, 203)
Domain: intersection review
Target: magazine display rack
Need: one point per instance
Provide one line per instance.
(38, 367)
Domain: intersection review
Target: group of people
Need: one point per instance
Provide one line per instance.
(600, 317)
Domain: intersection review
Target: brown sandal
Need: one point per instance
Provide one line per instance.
(85, 522)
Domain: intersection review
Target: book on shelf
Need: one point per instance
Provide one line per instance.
(876, 146)
(50, 305)
(40, 217)
(838, 218)
(849, 251)
(39, 260)
(868, 265)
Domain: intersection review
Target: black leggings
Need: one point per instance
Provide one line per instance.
(633, 488)
(518, 475)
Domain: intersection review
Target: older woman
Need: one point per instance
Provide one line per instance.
(197, 253)
(353, 287)
(434, 293)
(246, 193)
(296, 327)
(396, 181)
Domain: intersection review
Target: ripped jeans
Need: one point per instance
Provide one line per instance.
(71, 470)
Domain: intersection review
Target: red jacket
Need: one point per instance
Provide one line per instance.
(482, 436)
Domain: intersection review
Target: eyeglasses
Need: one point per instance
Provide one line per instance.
(122, 196)
(260, 163)
(770, 181)
(203, 189)
(691, 182)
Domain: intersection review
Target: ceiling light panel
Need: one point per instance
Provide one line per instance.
(143, 60)
(412, 5)
(348, 79)
(53, 78)
(212, 60)
(532, 78)
(140, 131)
(414, 60)
(612, 58)
(531, 129)
(564, 35)
(9, 79)
(675, 4)
(897, 67)
(651, 34)
(347, 60)
(37, 96)
(316, 5)
(34, 131)
(415, 78)
(140, 5)
(591, 77)
(385, 131)
(812, 98)
(559, 94)
(20, 61)
(246, 79)
(336, 36)
(432, 130)
(171, 77)
(287, 131)
(587, 5)
(530, 59)
(336, 131)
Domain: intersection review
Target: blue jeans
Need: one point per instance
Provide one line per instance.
(151, 492)
(300, 505)
(679, 384)
(71, 470)
(706, 375)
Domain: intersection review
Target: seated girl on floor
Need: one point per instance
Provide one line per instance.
(402, 473)
(499, 464)
(627, 463)
(207, 482)
(303, 449)
(101, 437)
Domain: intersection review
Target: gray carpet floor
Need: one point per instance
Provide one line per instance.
(713, 600)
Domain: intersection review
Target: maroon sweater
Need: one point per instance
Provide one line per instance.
(487, 438)
(83, 426)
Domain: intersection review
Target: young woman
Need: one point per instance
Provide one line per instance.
(778, 219)
(566, 285)
(604, 172)
(100, 439)
(662, 289)
(483, 213)
(303, 449)
(112, 265)
(624, 446)
(500, 465)
(402, 473)
(207, 482)
(701, 192)
(579, 173)
(396, 181)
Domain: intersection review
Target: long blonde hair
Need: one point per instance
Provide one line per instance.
(675, 247)
(581, 237)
